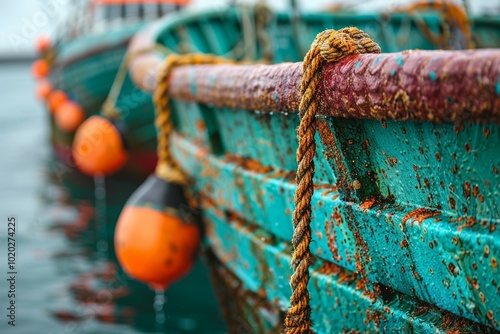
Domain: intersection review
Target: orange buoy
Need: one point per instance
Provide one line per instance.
(40, 68)
(43, 89)
(153, 241)
(98, 147)
(42, 43)
(69, 115)
(55, 99)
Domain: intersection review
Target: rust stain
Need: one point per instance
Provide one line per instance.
(337, 216)
(374, 316)
(486, 251)
(475, 190)
(420, 215)
(392, 161)
(481, 296)
(331, 235)
(466, 189)
(367, 204)
(454, 325)
(249, 164)
(451, 269)
(422, 309)
(471, 221)
(344, 276)
(452, 202)
(330, 190)
(200, 125)
(328, 141)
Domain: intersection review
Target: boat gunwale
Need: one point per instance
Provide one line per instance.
(435, 97)
(145, 67)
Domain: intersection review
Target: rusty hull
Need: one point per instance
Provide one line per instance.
(406, 201)
(438, 86)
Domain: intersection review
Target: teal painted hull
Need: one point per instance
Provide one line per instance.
(423, 262)
(221, 32)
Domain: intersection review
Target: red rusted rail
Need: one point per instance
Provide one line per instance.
(439, 86)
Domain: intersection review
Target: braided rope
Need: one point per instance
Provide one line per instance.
(329, 46)
(167, 168)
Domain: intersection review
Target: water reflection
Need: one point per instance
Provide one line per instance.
(102, 296)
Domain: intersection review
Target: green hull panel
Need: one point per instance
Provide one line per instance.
(424, 261)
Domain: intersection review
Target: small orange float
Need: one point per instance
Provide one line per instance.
(43, 89)
(98, 147)
(40, 68)
(55, 100)
(43, 43)
(153, 241)
(69, 115)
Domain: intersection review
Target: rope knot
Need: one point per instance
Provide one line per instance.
(337, 44)
(329, 46)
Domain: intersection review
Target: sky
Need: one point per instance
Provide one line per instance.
(22, 20)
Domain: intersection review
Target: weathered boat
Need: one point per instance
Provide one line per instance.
(404, 200)
(244, 34)
(84, 66)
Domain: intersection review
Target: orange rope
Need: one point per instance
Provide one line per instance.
(329, 46)
(167, 168)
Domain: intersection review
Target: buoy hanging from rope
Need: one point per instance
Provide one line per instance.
(43, 89)
(157, 234)
(99, 146)
(42, 44)
(40, 68)
(155, 241)
(112, 153)
(55, 100)
(69, 115)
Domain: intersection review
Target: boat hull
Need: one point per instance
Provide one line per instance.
(405, 207)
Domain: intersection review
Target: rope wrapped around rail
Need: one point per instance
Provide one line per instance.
(329, 46)
(167, 168)
(419, 85)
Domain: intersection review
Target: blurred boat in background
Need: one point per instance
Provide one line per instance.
(88, 59)
(84, 63)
